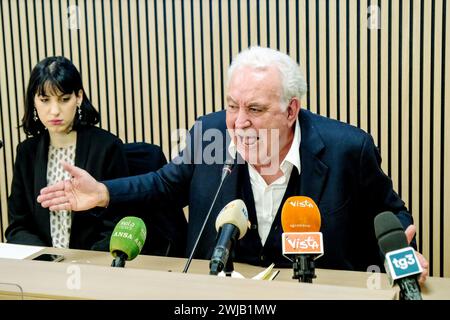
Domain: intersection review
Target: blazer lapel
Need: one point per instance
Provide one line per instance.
(82, 147)
(40, 179)
(81, 156)
(314, 171)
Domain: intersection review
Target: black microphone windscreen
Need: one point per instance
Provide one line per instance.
(393, 241)
(391, 236)
(389, 232)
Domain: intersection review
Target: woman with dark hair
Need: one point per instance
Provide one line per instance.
(61, 122)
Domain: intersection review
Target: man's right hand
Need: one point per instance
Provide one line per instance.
(81, 192)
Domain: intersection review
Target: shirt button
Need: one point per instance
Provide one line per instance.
(263, 257)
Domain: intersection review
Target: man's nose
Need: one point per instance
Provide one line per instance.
(242, 120)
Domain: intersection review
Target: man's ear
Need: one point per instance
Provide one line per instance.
(293, 109)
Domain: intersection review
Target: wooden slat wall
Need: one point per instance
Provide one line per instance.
(154, 66)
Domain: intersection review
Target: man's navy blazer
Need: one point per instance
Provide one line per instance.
(340, 171)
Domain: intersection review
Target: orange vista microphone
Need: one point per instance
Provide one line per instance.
(301, 239)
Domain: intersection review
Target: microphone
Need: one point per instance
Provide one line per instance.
(300, 220)
(401, 263)
(231, 225)
(127, 240)
(226, 170)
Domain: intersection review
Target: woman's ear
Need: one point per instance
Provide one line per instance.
(79, 97)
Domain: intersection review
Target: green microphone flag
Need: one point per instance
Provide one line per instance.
(128, 237)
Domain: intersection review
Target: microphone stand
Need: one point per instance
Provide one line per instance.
(304, 268)
(409, 289)
(225, 172)
(119, 260)
(229, 267)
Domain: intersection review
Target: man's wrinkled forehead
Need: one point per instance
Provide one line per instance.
(254, 80)
(257, 73)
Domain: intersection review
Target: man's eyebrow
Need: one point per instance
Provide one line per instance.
(230, 98)
(256, 104)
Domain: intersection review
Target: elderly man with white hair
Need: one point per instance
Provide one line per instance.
(280, 150)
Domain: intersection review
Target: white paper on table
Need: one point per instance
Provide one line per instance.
(267, 274)
(17, 251)
(234, 274)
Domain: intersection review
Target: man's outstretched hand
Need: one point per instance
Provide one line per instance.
(81, 192)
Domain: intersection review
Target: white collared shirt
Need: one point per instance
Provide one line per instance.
(268, 197)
